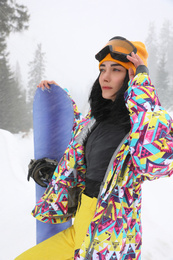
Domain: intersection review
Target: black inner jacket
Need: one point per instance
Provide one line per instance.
(99, 148)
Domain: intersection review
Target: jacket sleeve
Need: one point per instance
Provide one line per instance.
(53, 206)
(151, 141)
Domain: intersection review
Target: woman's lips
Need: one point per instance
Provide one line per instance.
(106, 87)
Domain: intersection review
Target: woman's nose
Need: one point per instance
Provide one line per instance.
(106, 76)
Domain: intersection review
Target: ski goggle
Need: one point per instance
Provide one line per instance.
(118, 47)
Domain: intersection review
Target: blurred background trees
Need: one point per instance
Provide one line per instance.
(13, 18)
(160, 62)
(16, 99)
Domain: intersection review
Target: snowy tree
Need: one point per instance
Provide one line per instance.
(164, 40)
(152, 47)
(165, 66)
(162, 82)
(22, 121)
(160, 61)
(18, 79)
(170, 65)
(36, 72)
(5, 86)
(13, 18)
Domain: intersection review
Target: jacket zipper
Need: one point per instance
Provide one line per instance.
(89, 255)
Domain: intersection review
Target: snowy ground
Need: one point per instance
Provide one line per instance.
(17, 226)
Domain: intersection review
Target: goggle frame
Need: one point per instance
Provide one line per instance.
(116, 54)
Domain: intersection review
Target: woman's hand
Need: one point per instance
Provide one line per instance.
(136, 60)
(45, 84)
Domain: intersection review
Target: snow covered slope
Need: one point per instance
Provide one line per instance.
(17, 195)
(17, 199)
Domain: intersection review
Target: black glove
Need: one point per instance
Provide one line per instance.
(42, 170)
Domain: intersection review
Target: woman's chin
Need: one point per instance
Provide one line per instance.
(108, 97)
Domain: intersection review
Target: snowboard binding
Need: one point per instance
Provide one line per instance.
(42, 170)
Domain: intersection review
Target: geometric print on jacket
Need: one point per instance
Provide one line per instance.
(147, 154)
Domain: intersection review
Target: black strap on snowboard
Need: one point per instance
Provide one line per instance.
(42, 170)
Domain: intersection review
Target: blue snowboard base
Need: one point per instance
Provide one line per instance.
(53, 117)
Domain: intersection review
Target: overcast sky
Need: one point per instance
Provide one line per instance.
(73, 31)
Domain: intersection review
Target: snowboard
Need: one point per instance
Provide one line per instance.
(53, 117)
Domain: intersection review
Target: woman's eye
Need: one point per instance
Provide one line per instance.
(115, 69)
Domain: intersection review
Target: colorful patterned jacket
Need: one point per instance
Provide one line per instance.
(147, 154)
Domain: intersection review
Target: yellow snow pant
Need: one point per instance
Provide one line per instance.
(62, 245)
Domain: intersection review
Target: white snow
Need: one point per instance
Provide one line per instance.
(17, 226)
(17, 195)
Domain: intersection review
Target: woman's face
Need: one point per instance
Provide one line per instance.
(111, 78)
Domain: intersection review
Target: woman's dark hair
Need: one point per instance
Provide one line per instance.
(103, 109)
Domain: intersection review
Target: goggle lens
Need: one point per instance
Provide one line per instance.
(118, 48)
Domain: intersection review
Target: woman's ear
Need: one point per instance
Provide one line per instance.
(131, 73)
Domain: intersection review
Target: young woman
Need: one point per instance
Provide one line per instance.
(124, 140)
